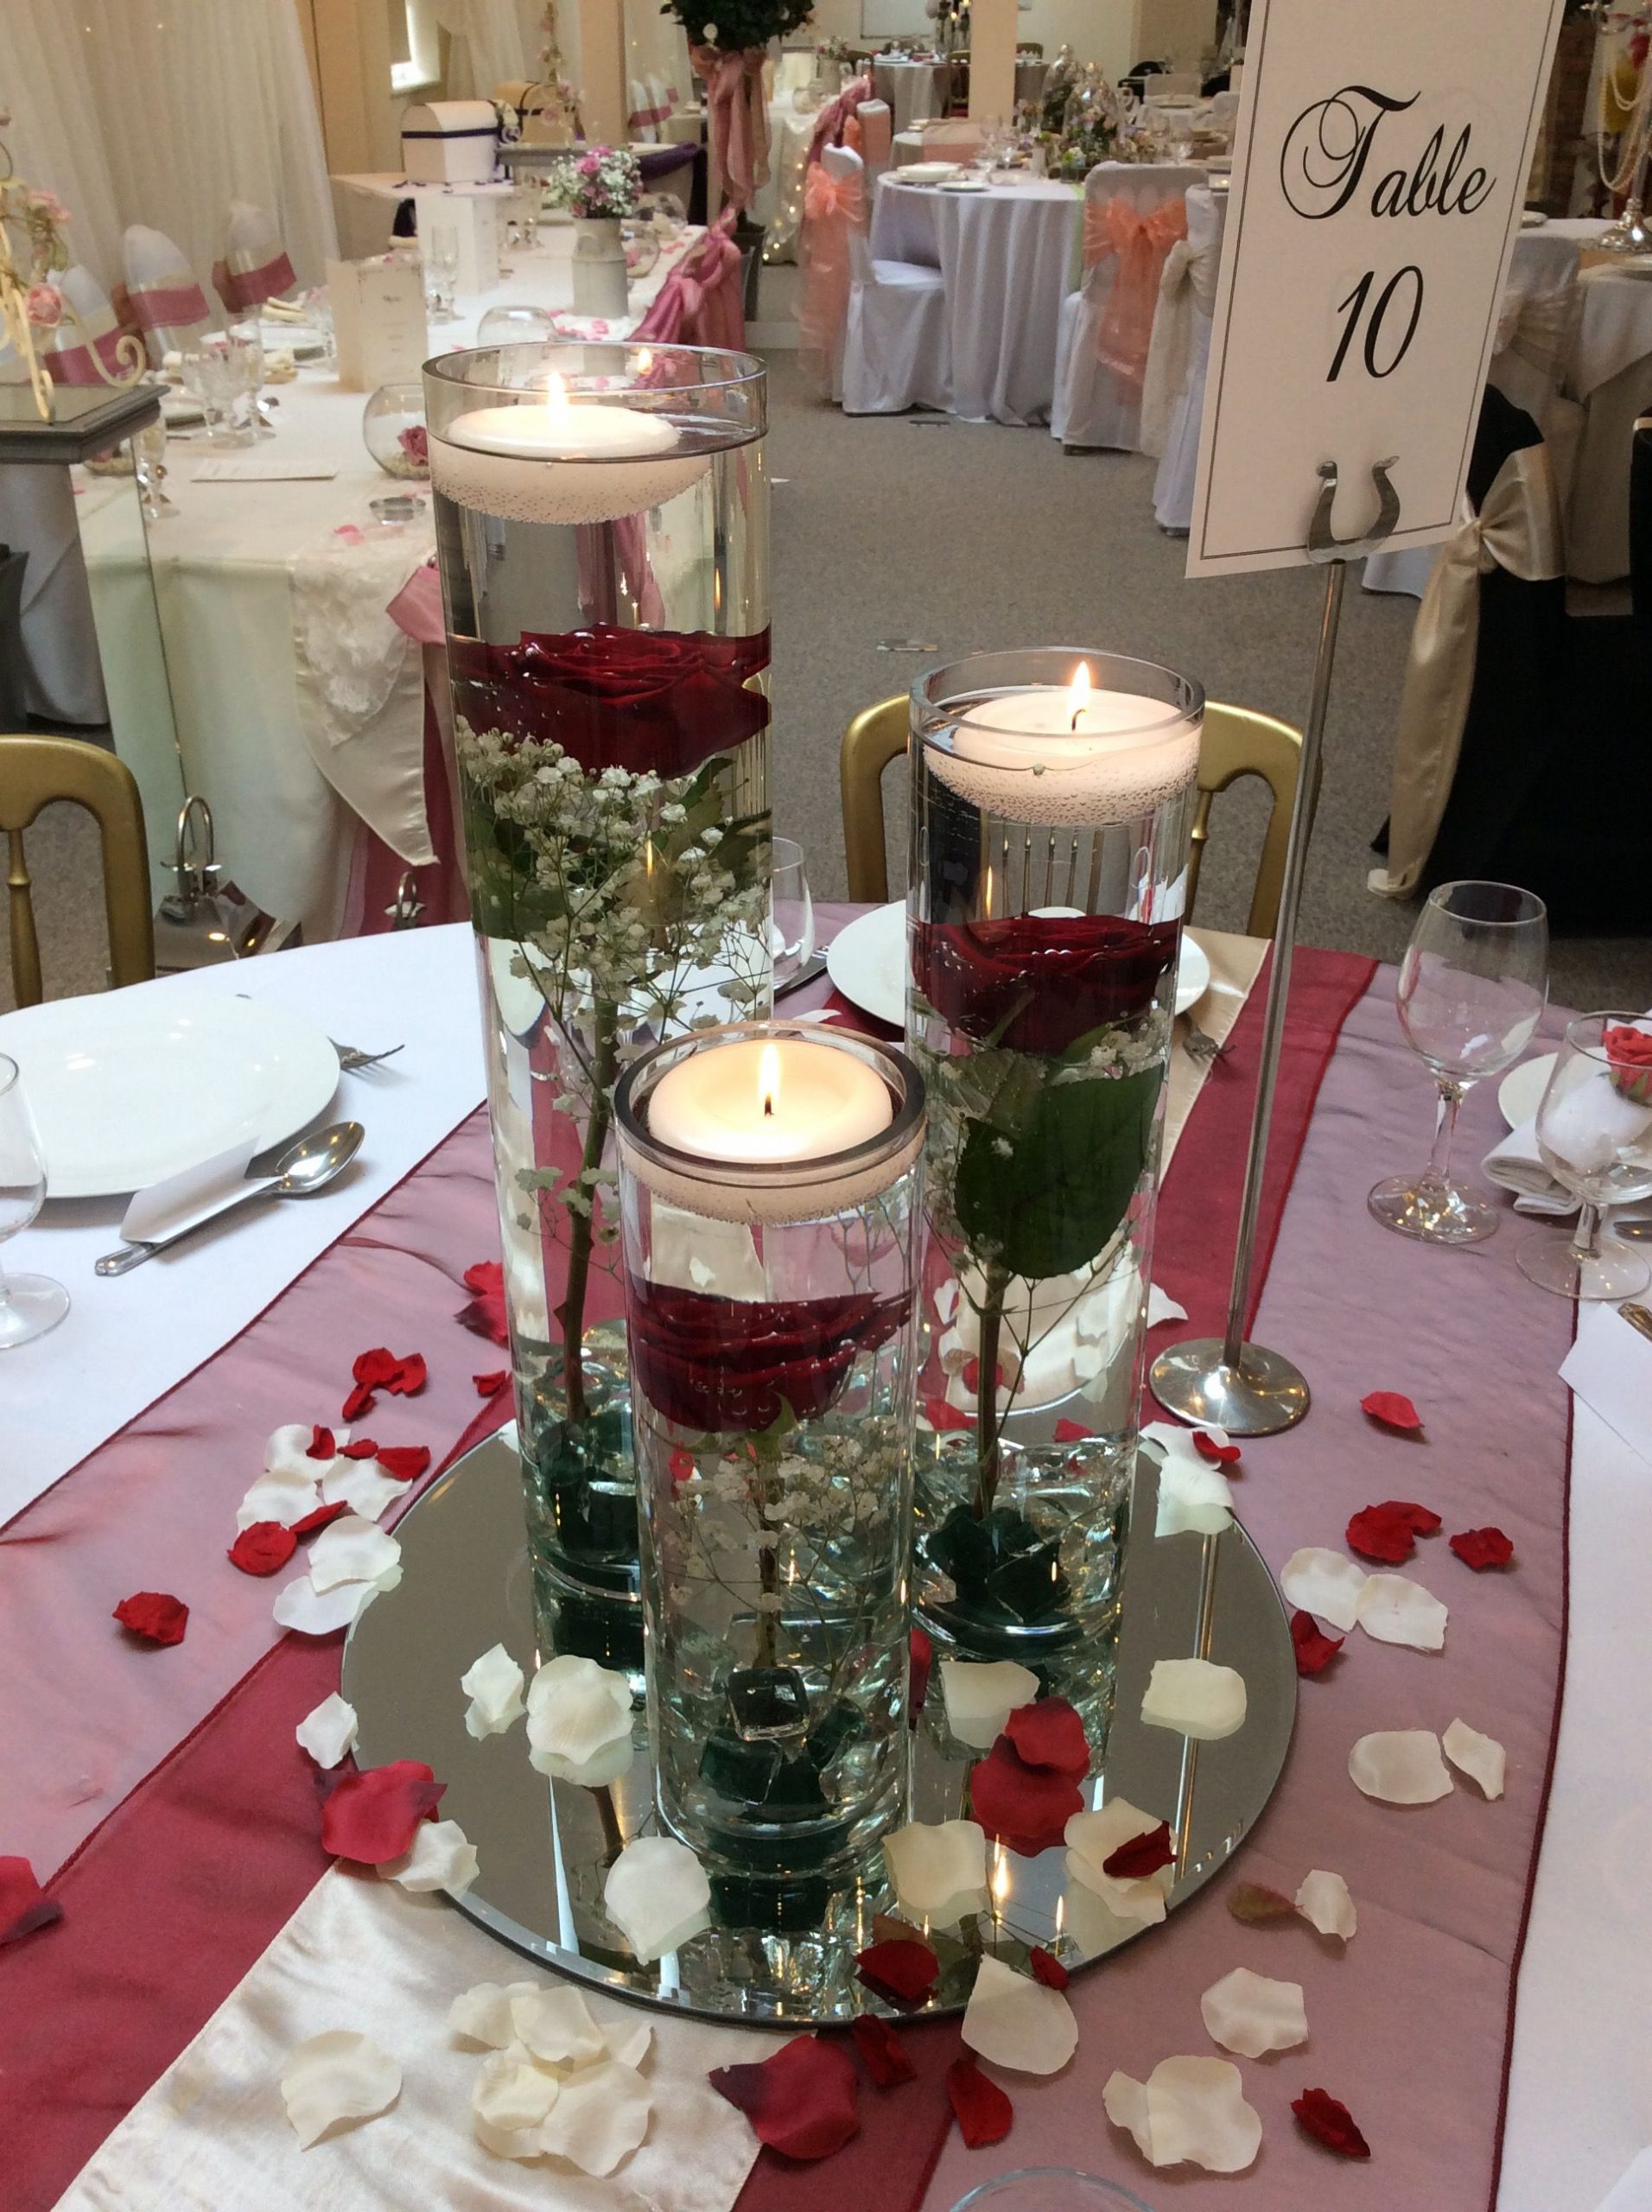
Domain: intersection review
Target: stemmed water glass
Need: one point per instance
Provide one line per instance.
(29, 1304)
(1472, 991)
(791, 933)
(440, 251)
(1594, 1133)
(217, 382)
(244, 347)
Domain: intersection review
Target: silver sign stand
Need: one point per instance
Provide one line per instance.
(1242, 1386)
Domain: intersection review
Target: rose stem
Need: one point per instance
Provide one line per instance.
(571, 1311)
(987, 1415)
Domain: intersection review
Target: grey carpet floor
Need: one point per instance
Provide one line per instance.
(968, 536)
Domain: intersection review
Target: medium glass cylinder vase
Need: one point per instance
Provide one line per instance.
(1052, 796)
(602, 526)
(770, 1307)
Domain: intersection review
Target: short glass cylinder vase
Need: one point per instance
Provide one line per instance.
(601, 518)
(769, 1295)
(1052, 797)
(392, 429)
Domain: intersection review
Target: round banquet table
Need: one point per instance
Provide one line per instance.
(1008, 257)
(159, 1795)
(916, 91)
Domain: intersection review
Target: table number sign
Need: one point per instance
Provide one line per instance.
(378, 319)
(1380, 168)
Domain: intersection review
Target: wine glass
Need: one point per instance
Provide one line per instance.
(216, 382)
(1050, 2189)
(1471, 990)
(244, 347)
(149, 467)
(441, 250)
(791, 933)
(29, 1304)
(1594, 1133)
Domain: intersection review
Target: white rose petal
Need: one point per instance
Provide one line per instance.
(351, 1550)
(287, 1454)
(600, 2117)
(580, 1722)
(277, 1498)
(981, 1698)
(555, 2026)
(656, 1894)
(1017, 2021)
(1253, 2015)
(510, 2095)
(1092, 1837)
(1480, 1757)
(327, 1730)
(1324, 1904)
(1324, 1582)
(627, 2038)
(494, 1685)
(442, 1858)
(1161, 1306)
(483, 2014)
(1196, 1697)
(1193, 1493)
(336, 2077)
(300, 1606)
(1401, 1765)
(938, 1869)
(359, 1484)
(1189, 2111)
(1395, 1610)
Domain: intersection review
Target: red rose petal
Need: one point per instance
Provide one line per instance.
(1050, 1734)
(903, 1971)
(24, 1906)
(1314, 1649)
(920, 1658)
(264, 1548)
(319, 1519)
(1483, 1547)
(1254, 1905)
(361, 1400)
(1420, 1519)
(1376, 1534)
(1329, 2121)
(1025, 1808)
(1047, 1969)
(800, 2101)
(945, 1419)
(1392, 1410)
(153, 1615)
(1220, 1455)
(410, 1378)
(882, 2052)
(489, 1386)
(1141, 1855)
(984, 2113)
(320, 1446)
(372, 1817)
(1072, 1432)
(405, 1463)
(377, 1366)
(485, 1315)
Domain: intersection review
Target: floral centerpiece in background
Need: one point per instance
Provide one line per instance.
(603, 184)
(32, 253)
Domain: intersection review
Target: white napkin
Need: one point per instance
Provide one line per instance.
(1631, 2192)
(196, 1194)
(259, 468)
(1609, 1368)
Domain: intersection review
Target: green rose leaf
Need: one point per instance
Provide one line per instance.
(1045, 1201)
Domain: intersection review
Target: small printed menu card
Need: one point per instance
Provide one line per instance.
(378, 320)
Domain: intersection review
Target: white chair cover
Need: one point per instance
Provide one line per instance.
(1172, 398)
(255, 266)
(877, 143)
(169, 305)
(68, 349)
(897, 352)
(1095, 405)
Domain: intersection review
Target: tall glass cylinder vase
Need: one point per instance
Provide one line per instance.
(1052, 796)
(770, 1184)
(602, 526)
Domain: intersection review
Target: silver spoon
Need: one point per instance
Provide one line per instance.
(303, 1170)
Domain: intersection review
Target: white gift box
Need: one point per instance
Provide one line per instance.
(449, 142)
(378, 319)
(473, 213)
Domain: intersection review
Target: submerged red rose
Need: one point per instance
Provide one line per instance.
(651, 701)
(720, 1364)
(1037, 982)
(801, 2101)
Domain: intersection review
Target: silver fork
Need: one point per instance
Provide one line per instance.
(1200, 1044)
(353, 1060)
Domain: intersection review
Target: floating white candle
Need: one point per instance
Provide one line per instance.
(562, 459)
(1055, 753)
(561, 429)
(783, 1100)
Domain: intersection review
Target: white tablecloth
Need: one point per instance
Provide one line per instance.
(285, 807)
(1007, 255)
(915, 90)
(778, 205)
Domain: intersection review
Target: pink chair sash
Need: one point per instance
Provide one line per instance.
(830, 122)
(241, 288)
(877, 147)
(70, 362)
(700, 303)
(832, 209)
(740, 118)
(1141, 243)
(172, 302)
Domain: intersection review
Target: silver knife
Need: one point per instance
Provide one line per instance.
(806, 974)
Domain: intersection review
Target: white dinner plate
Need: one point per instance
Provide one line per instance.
(963, 184)
(866, 962)
(129, 1086)
(925, 172)
(296, 338)
(1520, 1092)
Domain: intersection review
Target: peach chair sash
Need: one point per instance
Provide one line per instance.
(833, 209)
(1140, 243)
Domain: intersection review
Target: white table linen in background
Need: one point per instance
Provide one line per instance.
(916, 91)
(1006, 255)
(128, 1338)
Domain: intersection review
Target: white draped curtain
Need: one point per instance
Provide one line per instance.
(487, 50)
(162, 111)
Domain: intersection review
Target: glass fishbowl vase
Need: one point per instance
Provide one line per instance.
(770, 1312)
(602, 528)
(1052, 797)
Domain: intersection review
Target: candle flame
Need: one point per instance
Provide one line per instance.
(1079, 697)
(768, 1079)
(1000, 1878)
(556, 400)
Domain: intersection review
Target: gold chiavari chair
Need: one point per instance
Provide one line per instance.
(33, 772)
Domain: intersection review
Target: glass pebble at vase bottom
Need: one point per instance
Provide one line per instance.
(770, 1182)
(1052, 795)
(1594, 1134)
(602, 527)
